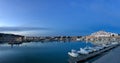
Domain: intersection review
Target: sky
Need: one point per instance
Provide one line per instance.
(59, 17)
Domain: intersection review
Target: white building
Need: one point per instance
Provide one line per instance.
(103, 34)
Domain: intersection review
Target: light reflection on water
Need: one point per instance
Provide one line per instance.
(37, 52)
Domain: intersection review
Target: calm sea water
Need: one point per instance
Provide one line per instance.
(38, 52)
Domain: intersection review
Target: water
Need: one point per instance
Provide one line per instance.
(38, 52)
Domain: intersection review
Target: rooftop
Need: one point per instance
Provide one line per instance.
(103, 34)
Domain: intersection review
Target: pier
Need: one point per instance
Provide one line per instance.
(112, 57)
(82, 58)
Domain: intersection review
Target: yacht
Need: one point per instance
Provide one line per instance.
(92, 49)
(73, 53)
(83, 51)
(89, 49)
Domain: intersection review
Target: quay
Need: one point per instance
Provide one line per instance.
(82, 58)
(112, 57)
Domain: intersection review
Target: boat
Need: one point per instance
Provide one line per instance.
(114, 43)
(83, 51)
(104, 45)
(89, 49)
(100, 49)
(93, 49)
(73, 53)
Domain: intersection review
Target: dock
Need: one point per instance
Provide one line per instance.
(112, 57)
(82, 58)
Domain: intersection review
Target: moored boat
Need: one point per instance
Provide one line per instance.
(73, 53)
(83, 51)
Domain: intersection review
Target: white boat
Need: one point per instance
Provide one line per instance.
(73, 53)
(99, 48)
(78, 39)
(89, 49)
(104, 45)
(93, 49)
(83, 51)
(114, 43)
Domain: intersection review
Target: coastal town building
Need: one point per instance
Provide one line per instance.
(103, 36)
(93, 37)
(10, 38)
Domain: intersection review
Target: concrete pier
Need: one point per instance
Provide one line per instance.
(85, 57)
(112, 57)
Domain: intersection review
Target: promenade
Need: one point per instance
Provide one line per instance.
(111, 57)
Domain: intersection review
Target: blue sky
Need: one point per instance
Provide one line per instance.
(59, 17)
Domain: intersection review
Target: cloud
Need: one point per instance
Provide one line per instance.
(2, 29)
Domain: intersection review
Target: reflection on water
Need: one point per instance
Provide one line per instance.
(38, 52)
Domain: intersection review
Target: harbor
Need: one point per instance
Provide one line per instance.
(85, 57)
(38, 52)
(59, 31)
(103, 41)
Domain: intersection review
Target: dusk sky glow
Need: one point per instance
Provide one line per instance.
(59, 17)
